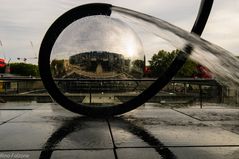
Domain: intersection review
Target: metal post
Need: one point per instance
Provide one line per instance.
(220, 94)
(90, 94)
(237, 99)
(5, 87)
(200, 96)
(174, 87)
(185, 88)
(17, 87)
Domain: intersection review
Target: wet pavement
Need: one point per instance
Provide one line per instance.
(45, 130)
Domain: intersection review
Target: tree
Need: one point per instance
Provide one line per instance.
(137, 69)
(160, 62)
(189, 69)
(2, 69)
(24, 69)
(138, 64)
(58, 68)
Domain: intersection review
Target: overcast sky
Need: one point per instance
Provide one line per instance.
(26, 21)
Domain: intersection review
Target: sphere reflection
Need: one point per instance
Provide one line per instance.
(98, 47)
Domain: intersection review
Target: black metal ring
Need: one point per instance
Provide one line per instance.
(105, 9)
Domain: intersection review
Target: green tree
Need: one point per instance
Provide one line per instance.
(160, 62)
(188, 70)
(137, 69)
(57, 68)
(138, 64)
(24, 69)
(2, 69)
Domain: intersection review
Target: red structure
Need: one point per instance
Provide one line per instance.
(147, 70)
(2, 63)
(203, 72)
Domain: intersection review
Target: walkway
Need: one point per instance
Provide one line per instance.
(45, 130)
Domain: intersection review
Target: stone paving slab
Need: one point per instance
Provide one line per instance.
(44, 115)
(231, 127)
(49, 131)
(72, 134)
(6, 115)
(194, 136)
(19, 105)
(138, 153)
(206, 114)
(132, 134)
(83, 154)
(179, 153)
(206, 152)
(19, 154)
(49, 106)
(25, 136)
(166, 115)
(226, 118)
(58, 154)
(86, 134)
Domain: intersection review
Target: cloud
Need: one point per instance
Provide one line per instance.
(28, 20)
(223, 24)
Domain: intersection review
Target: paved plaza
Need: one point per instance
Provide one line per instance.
(46, 130)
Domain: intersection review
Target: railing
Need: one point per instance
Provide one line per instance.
(179, 90)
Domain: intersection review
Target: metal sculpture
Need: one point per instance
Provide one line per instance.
(105, 9)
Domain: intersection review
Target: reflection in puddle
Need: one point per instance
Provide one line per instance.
(75, 124)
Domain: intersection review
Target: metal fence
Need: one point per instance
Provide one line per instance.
(179, 91)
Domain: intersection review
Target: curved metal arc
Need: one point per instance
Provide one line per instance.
(202, 17)
(98, 9)
(48, 42)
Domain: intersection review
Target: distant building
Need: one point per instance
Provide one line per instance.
(96, 65)
(90, 61)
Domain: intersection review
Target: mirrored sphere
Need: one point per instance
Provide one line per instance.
(98, 47)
